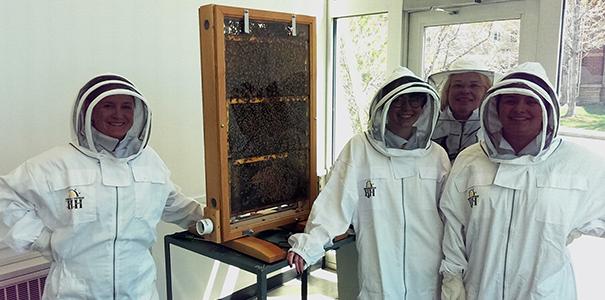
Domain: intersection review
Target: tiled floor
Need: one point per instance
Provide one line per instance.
(322, 286)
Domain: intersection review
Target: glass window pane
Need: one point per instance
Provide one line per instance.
(582, 85)
(360, 56)
(495, 42)
(582, 92)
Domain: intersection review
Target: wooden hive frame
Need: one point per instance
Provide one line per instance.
(215, 110)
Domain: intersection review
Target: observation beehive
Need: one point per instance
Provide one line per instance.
(258, 81)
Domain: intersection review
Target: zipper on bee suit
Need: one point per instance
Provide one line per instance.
(510, 225)
(404, 238)
(114, 247)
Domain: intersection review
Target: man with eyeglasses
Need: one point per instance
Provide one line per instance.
(386, 183)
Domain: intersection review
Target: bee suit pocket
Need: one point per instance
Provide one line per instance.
(74, 197)
(150, 194)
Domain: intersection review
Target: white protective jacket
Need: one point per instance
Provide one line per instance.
(509, 218)
(390, 196)
(92, 214)
(454, 135)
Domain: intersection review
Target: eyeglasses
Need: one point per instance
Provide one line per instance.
(413, 102)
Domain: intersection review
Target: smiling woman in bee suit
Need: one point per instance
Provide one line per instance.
(463, 86)
(513, 202)
(386, 183)
(91, 207)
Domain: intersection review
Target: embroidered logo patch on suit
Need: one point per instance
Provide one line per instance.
(73, 200)
(473, 197)
(369, 190)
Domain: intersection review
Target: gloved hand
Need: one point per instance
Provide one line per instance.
(452, 287)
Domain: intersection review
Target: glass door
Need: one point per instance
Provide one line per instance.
(501, 34)
(494, 44)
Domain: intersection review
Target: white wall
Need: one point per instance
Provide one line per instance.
(48, 49)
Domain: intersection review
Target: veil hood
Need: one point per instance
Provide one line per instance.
(87, 139)
(402, 81)
(527, 79)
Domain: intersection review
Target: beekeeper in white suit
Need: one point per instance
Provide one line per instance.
(386, 183)
(513, 202)
(92, 206)
(462, 87)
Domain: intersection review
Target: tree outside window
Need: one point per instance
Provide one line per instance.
(495, 43)
(360, 55)
(582, 59)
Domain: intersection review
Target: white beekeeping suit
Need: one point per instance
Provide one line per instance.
(389, 194)
(92, 206)
(509, 216)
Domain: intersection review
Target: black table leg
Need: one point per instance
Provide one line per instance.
(168, 269)
(261, 288)
(303, 284)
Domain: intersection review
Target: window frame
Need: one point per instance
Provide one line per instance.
(353, 8)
